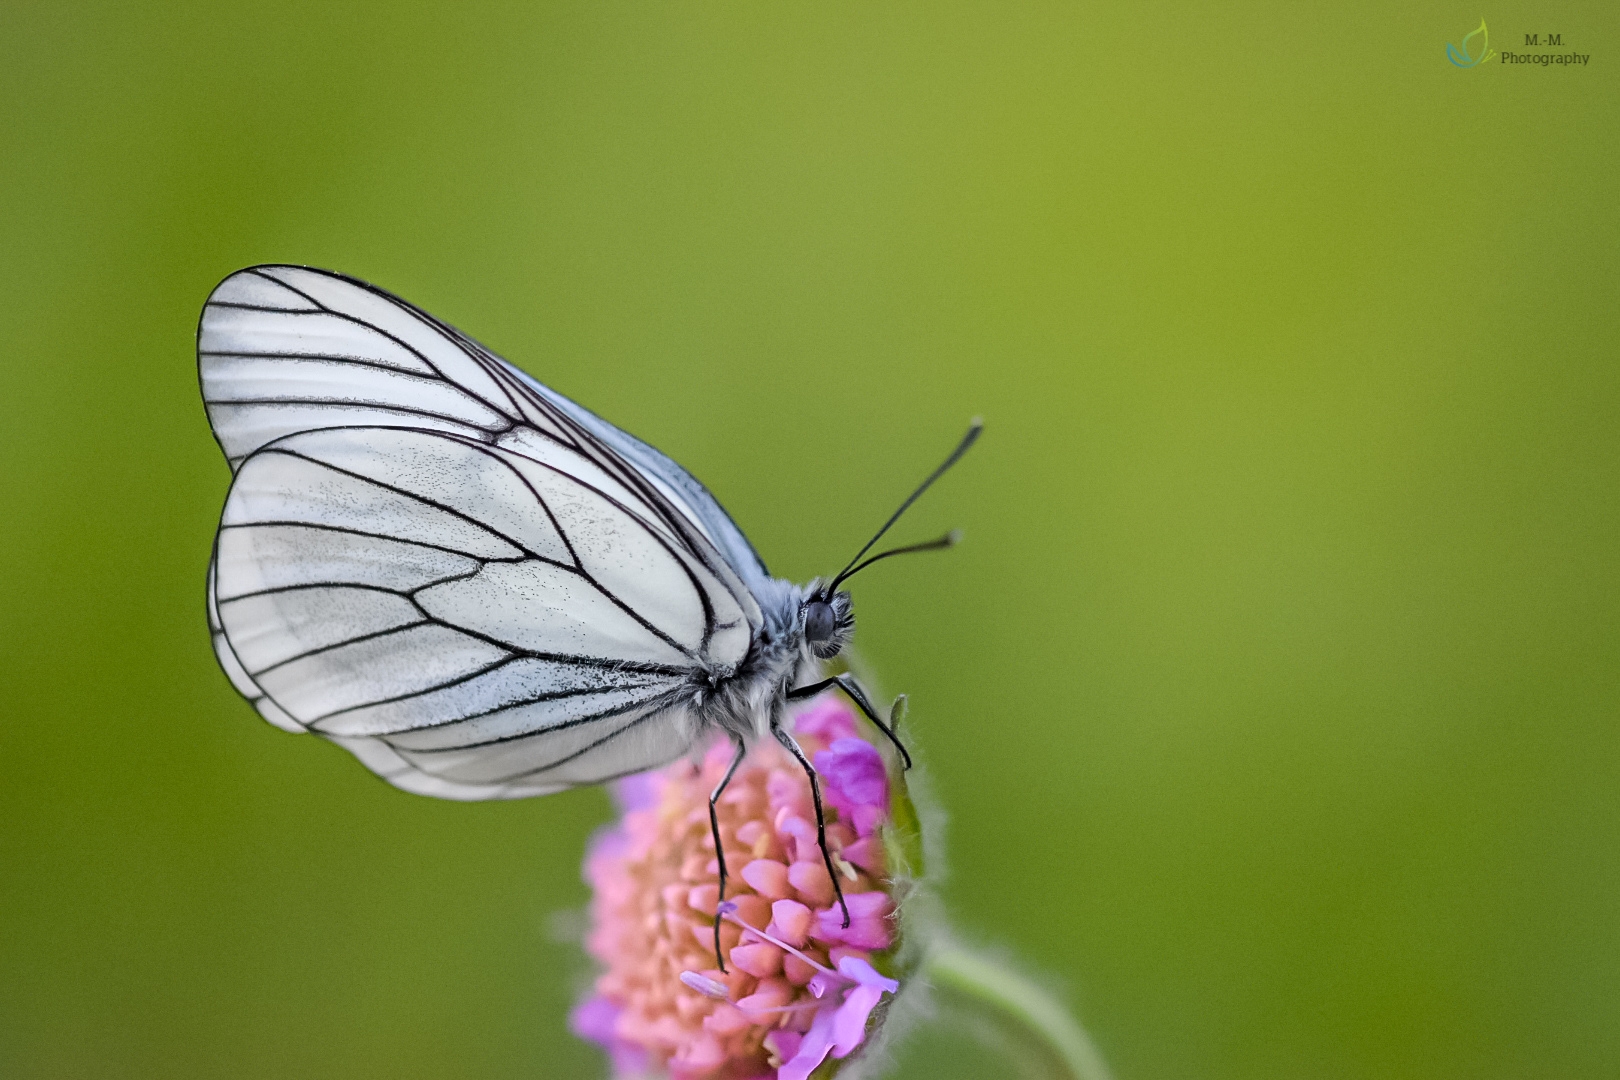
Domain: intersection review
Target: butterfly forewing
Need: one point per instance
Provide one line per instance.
(478, 587)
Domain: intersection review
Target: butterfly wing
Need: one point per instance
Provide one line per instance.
(479, 588)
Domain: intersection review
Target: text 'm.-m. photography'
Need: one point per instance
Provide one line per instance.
(1474, 50)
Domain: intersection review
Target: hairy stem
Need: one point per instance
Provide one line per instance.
(1018, 1001)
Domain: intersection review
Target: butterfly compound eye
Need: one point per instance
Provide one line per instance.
(828, 624)
(820, 624)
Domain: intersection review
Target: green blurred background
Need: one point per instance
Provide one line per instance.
(1272, 697)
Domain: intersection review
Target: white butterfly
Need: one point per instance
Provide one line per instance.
(481, 589)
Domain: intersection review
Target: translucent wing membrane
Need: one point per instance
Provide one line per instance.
(478, 587)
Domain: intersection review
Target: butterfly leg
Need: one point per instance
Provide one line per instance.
(849, 686)
(821, 819)
(719, 850)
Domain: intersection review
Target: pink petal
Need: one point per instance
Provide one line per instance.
(812, 882)
(869, 904)
(603, 850)
(592, 1019)
(849, 1022)
(705, 898)
(628, 1060)
(790, 921)
(836, 954)
(700, 1055)
(828, 719)
(704, 934)
(802, 833)
(674, 923)
(859, 969)
(812, 1049)
(872, 934)
(868, 818)
(866, 853)
(797, 971)
(854, 774)
(726, 1020)
(639, 791)
(760, 960)
(784, 1044)
(787, 792)
(769, 996)
(863, 932)
(769, 878)
(753, 910)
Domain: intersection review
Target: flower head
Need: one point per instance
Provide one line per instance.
(799, 986)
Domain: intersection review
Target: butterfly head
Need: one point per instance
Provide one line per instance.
(828, 621)
(826, 616)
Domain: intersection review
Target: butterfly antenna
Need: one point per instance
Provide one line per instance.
(947, 540)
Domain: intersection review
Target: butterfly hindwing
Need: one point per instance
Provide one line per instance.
(479, 588)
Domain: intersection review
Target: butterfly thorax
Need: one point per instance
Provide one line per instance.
(787, 649)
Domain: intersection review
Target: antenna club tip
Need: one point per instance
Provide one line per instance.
(953, 538)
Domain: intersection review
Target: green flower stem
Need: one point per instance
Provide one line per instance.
(1019, 1001)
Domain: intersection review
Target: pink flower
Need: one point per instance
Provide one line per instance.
(800, 986)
